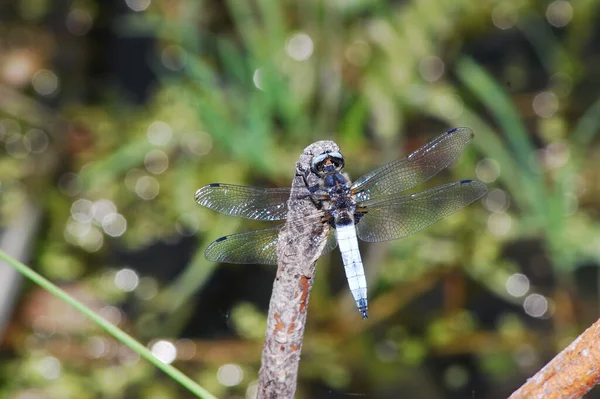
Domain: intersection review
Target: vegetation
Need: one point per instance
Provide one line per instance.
(111, 118)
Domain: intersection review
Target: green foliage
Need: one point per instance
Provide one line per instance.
(234, 103)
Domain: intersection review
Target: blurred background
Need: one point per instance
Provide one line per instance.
(113, 113)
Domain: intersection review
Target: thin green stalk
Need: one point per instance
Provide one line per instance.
(110, 328)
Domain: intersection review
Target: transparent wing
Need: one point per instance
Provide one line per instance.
(245, 202)
(422, 164)
(392, 217)
(253, 247)
(331, 243)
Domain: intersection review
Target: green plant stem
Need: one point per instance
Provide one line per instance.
(108, 327)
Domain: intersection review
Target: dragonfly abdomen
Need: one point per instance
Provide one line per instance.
(348, 243)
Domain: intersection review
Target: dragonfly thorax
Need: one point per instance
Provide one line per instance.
(341, 204)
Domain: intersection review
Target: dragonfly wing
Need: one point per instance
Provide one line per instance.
(245, 202)
(258, 246)
(405, 173)
(392, 217)
(330, 245)
(252, 247)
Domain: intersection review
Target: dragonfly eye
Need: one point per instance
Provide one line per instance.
(337, 159)
(327, 162)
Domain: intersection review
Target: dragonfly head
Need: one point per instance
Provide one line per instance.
(327, 162)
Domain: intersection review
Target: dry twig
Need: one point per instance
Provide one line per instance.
(572, 373)
(300, 245)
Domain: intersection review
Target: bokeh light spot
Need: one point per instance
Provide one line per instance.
(499, 224)
(358, 53)
(173, 57)
(545, 104)
(18, 67)
(126, 279)
(127, 356)
(164, 351)
(230, 375)
(114, 224)
(252, 390)
(257, 79)
(45, 82)
(159, 133)
(147, 187)
(156, 161)
(97, 347)
(488, 170)
(112, 313)
(70, 184)
(497, 201)
(92, 241)
(138, 5)
(102, 208)
(456, 377)
(79, 22)
(431, 68)
(504, 16)
(132, 177)
(517, 285)
(559, 13)
(9, 127)
(526, 356)
(300, 47)
(555, 155)
(186, 349)
(49, 367)
(16, 146)
(75, 231)
(196, 144)
(535, 305)
(36, 141)
(81, 210)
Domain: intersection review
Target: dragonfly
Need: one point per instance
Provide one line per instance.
(372, 208)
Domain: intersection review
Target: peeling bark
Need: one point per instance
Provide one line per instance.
(300, 245)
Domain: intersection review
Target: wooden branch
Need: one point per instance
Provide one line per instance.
(300, 245)
(572, 373)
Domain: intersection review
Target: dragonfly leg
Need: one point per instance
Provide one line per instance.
(311, 189)
(328, 218)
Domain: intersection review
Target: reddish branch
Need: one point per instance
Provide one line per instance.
(572, 373)
(300, 245)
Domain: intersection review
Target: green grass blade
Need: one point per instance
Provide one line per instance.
(487, 90)
(248, 27)
(545, 44)
(587, 127)
(108, 327)
(496, 100)
(490, 145)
